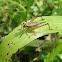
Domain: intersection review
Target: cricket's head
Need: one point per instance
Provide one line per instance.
(23, 24)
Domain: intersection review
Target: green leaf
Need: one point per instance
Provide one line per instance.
(13, 41)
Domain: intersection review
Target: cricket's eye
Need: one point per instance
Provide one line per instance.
(23, 23)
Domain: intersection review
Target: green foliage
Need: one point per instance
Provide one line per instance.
(13, 41)
(55, 52)
(18, 46)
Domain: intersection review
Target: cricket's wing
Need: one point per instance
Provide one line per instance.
(33, 23)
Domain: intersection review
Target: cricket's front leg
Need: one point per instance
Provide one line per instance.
(23, 32)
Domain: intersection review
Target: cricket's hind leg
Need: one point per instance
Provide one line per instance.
(35, 27)
(46, 24)
(49, 26)
(36, 17)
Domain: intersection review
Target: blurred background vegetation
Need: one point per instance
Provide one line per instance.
(14, 12)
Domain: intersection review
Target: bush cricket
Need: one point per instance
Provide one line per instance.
(33, 25)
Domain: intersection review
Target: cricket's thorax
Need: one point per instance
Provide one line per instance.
(32, 24)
